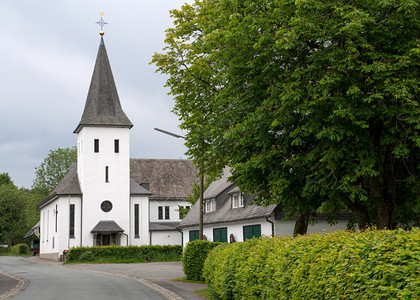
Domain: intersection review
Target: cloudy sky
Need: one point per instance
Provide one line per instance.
(47, 54)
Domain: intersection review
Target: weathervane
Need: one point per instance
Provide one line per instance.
(101, 23)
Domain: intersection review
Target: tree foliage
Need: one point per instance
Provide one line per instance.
(306, 101)
(12, 216)
(53, 169)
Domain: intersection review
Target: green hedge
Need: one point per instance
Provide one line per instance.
(125, 254)
(194, 256)
(20, 249)
(340, 265)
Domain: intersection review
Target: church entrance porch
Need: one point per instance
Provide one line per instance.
(107, 233)
(107, 239)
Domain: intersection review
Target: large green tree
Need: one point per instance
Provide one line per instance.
(53, 169)
(307, 101)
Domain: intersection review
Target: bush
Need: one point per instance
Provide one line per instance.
(194, 256)
(340, 265)
(20, 249)
(117, 254)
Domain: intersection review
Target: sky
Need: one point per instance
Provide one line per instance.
(47, 54)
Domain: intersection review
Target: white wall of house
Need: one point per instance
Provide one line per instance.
(92, 176)
(165, 238)
(173, 210)
(55, 239)
(143, 236)
(286, 227)
(235, 228)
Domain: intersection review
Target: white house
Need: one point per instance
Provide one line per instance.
(108, 198)
(230, 217)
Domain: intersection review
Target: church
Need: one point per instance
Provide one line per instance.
(107, 198)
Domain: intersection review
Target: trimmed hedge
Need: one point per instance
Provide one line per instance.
(20, 249)
(194, 256)
(125, 254)
(340, 265)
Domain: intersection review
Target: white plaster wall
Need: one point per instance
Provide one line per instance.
(61, 235)
(173, 210)
(286, 227)
(144, 238)
(166, 238)
(91, 170)
(235, 228)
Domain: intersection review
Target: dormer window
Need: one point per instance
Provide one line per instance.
(209, 206)
(237, 200)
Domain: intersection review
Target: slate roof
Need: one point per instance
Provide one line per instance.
(103, 107)
(168, 179)
(218, 186)
(220, 190)
(33, 229)
(68, 186)
(163, 226)
(136, 189)
(107, 226)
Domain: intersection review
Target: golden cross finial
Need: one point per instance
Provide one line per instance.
(101, 23)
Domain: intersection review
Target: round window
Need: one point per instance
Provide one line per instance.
(106, 206)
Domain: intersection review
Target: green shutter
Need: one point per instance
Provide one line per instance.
(194, 235)
(252, 231)
(220, 235)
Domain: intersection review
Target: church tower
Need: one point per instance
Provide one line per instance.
(103, 159)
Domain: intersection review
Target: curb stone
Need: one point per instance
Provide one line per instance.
(20, 286)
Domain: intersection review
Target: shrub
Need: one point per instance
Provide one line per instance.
(340, 265)
(117, 254)
(194, 256)
(20, 249)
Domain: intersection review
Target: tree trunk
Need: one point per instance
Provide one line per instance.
(358, 209)
(9, 239)
(384, 215)
(301, 225)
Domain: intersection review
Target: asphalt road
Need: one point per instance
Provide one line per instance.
(59, 282)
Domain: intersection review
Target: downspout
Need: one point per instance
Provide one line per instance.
(127, 237)
(182, 236)
(68, 232)
(81, 220)
(272, 226)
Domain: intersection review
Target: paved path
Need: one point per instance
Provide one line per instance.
(157, 276)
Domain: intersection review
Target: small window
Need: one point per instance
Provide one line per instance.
(117, 146)
(194, 235)
(209, 206)
(237, 200)
(166, 212)
(71, 225)
(253, 231)
(96, 145)
(136, 221)
(106, 174)
(106, 206)
(160, 212)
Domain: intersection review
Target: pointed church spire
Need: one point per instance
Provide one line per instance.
(103, 107)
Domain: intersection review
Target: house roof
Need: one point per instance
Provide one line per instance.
(220, 190)
(163, 226)
(103, 107)
(168, 179)
(68, 186)
(33, 230)
(107, 226)
(136, 189)
(226, 214)
(218, 186)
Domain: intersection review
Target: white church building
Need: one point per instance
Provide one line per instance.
(108, 198)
